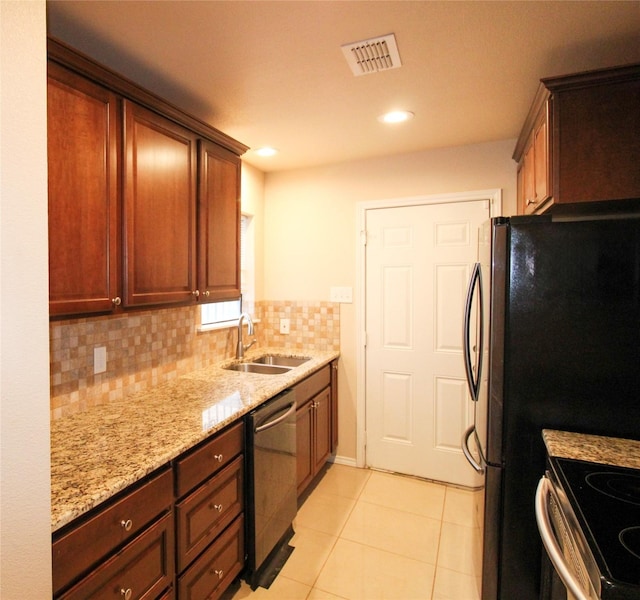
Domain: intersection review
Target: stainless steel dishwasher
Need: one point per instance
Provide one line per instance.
(271, 487)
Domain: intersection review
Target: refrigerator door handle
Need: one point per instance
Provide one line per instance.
(467, 453)
(473, 379)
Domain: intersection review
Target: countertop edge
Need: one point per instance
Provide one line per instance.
(605, 450)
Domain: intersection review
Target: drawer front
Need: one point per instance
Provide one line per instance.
(209, 458)
(205, 513)
(213, 572)
(141, 570)
(312, 385)
(79, 549)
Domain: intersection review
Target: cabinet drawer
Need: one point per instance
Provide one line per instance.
(209, 458)
(144, 566)
(312, 385)
(80, 548)
(205, 513)
(213, 572)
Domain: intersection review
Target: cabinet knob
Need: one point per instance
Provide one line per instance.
(206, 293)
(219, 573)
(195, 293)
(116, 301)
(126, 594)
(217, 507)
(218, 457)
(126, 525)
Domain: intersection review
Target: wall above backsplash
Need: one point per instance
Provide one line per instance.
(151, 347)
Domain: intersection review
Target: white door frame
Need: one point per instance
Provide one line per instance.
(494, 196)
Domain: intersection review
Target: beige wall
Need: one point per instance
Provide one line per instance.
(311, 239)
(25, 514)
(252, 203)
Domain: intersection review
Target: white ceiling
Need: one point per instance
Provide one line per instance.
(273, 73)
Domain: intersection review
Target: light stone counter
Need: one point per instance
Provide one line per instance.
(593, 448)
(97, 453)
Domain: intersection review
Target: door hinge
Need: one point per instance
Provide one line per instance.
(363, 237)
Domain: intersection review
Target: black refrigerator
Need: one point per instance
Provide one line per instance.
(552, 340)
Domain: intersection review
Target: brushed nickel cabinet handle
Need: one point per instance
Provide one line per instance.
(126, 525)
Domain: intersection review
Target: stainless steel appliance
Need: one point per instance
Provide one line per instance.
(552, 339)
(589, 519)
(271, 481)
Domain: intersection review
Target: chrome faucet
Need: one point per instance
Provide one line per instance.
(240, 348)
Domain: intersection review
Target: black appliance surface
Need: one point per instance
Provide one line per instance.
(606, 502)
(272, 489)
(561, 316)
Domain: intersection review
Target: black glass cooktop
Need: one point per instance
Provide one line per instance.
(606, 501)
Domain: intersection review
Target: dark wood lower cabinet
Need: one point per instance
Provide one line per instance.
(316, 425)
(144, 568)
(216, 568)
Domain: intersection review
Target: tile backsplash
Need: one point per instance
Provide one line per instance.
(150, 347)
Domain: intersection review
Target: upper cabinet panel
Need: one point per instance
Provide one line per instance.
(159, 209)
(83, 195)
(218, 223)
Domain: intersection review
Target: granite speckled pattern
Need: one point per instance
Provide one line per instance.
(97, 453)
(593, 448)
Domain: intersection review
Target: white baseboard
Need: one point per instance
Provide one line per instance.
(343, 460)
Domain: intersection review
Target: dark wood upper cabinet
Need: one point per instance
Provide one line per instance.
(125, 171)
(159, 209)
(579, 148)
(84, 244)
(218, 223)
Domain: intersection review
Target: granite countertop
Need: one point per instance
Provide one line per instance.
(97, 453)
(593, 448)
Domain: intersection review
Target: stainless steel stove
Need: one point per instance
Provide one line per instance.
(594, 514)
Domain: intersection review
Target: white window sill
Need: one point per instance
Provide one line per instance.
(221, 325)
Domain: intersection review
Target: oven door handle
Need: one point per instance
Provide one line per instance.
(551, 544)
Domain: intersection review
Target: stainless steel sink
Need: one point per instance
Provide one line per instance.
(284, 361)
(262, 369)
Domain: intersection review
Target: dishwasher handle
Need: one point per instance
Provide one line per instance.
(283, 417)
(551, 544)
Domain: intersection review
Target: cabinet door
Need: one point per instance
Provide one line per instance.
(322, 429)
(218, 223)
(334, 406)
(541, 162)
(83, 195)
(304, 451)
(159, 209)
(528, 180)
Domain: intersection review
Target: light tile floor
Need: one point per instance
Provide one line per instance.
(369, 535)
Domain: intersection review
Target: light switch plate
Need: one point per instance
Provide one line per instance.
(341, 294)
(285, 326)
(99, 360)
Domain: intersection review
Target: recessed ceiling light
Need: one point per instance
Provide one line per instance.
(266, 151)
(396, 116)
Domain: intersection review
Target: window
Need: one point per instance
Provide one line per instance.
(226, 313)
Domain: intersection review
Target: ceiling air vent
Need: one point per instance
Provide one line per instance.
(373, 55)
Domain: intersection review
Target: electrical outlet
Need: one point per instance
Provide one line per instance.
(99, 360)
(341, 294)
(285, 325)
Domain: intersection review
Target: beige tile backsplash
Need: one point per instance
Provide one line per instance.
(150, 347)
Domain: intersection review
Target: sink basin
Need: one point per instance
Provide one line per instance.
(259, 368)
(284, 361)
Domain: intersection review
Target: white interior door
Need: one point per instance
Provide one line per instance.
(418, 260)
